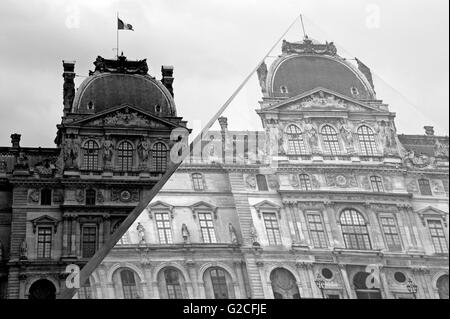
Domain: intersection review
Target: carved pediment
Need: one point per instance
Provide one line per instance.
(125, 116)
(322, 99)
(44, 220)
(203, 206)
(160, 205)
(268, 206)
(431, 212)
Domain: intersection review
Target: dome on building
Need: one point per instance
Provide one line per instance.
(306, 66)
(117, 82)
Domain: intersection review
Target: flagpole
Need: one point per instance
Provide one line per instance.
(117, 36)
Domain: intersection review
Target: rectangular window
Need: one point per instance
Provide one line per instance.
(317, 231)
(44, 242)
(272, 228)
(261, 182)
(377, 184)
(424, 186)
(207, 227)
(162, 220)
(89, 241)
(438, 236)
(391, 235)
(197, 180)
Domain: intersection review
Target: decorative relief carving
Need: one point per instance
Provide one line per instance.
(121, 65)
(293, 180)
(388, 185)
(45, 168)
(440, 150)
(143, 150)
(58, 196)
(3, 166)
(126, 118)
(250, 181)
(411, 159)
(307, 46)
(365, 183)
(79, 195)
(100, 197)
(125, 195)
(71, 149)
(315, 181)
(33, 196)
(273, 181)
(412, 187)
(343, 181)
(108, 150)
(437, 187)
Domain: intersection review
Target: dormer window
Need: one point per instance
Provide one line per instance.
(158, 108)
(354, 91)
(90, 105)
(283, 89)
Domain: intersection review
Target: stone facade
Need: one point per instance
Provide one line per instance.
(59, 205)
(327, 194)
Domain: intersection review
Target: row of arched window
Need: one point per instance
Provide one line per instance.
(330, 141)
(171, 284)
(125, 156)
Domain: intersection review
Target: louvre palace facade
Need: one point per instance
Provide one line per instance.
(328, 200)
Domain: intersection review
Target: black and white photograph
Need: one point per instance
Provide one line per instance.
(220, 149)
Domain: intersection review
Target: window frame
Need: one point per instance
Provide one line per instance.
(223, 286)
(442, 238)
(265, 183)
(429, 191)
(395, 247)
(376, 183)
(91, 151)
(94, 198)
(47, 244)
(210, 226)
(198, 181)
(330, 140)
(278, 241)
(159, 157)
(177, 288)
(304, 184)
(82, 239)
(166, 230)
(367, 141)
(358, 229)
(295, 142)
(125, 156)
(325, 243)
(48, 196)
(132, 290)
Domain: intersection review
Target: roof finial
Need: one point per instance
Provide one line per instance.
(303, 27)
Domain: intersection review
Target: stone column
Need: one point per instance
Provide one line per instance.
(305, 285)
(290, 222)
(374, 228)
(301, 226)
(73, 236)
(192, 280)
(240, 291)
(65, 244)
(337, 239)
(267, 286)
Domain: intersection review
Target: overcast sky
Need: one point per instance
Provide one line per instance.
(213, 45)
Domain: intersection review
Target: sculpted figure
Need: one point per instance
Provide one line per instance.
(143, 150)
(262, 76)
(233, 236)
(23, 249)
(311, 133)
(108, 148)
(253, 235)
(141, 233)
(439, 149)
(185, 233)
(346, 133)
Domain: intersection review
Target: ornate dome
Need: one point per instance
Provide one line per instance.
(306, 66)
(116, 82)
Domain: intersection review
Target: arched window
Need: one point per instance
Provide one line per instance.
(129, 287)
(42, 289)
(305, 182)
(125, 156)
(362, 291)
(90, 155)
(330, 140)
(377, 184)
(173, 285)
(442, 286)
(159, 154)
(90, 196)
(367, 141)
(46, 196)
(296, 145)
(424, 186)
(284, 285)
(218, 284)
(261, 182)
(354, 230)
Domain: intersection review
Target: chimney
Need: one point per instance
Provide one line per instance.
(167, 77)
(429, 130)
(223, 121)
(69, 85)
(15, 140)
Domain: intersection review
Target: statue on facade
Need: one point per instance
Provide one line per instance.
(3, 166)
(22, 160)
(71, 149)
(108, 148)
(262, 76)
(23, 249)
(1, 250)
(143, 149)
(311, 134)
(254, 235)
(141, 233)
(388, 137)
(185, 234)
(347, 135)
(439, 149)
(233, 235)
